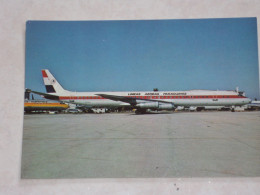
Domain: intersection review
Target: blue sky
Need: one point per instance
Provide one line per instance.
(141, 55)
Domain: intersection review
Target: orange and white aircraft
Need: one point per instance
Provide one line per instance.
(142, 100)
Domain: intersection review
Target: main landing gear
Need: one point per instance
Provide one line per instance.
(140, 111)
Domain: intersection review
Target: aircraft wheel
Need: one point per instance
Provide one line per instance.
(90, 111)
(140, 111)
(137, 112)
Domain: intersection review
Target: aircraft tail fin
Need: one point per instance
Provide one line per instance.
(51, 84)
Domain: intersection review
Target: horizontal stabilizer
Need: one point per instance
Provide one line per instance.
(45, 95)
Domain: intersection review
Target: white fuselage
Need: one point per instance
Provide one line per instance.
(178, 98)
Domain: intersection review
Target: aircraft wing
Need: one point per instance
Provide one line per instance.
(45, 95)
(130, 100)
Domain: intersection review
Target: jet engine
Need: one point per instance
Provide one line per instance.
(156, 105)
(148, 105)
(166, 106)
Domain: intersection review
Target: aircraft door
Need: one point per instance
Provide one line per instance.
(215, 98)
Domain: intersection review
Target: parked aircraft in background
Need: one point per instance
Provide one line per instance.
(254, 105)
(142, 100)
(43, 106)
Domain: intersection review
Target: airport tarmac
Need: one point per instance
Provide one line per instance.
(125, 145)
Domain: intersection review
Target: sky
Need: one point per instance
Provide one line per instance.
(139, 55)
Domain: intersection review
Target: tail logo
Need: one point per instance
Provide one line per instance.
(50, 89)
(51, 84)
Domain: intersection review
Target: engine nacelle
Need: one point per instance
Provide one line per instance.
(192, 108)
(156, 105)
(166, 106)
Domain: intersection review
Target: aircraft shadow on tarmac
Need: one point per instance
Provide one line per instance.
(149, 113)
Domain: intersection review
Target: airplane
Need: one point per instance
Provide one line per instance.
(254, 105)
(142, 101)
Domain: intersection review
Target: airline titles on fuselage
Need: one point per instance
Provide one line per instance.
(151, 93)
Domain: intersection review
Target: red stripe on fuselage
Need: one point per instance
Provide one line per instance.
(44, 73)
(157, 97)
